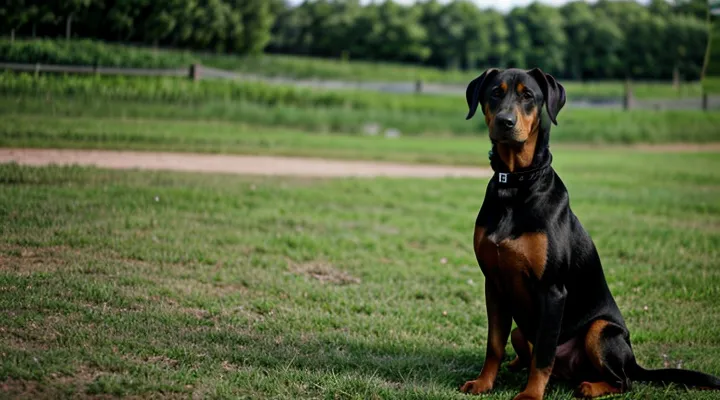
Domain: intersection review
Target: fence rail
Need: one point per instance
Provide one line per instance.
(100, 70)
(196, 72)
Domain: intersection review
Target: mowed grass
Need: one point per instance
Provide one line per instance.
(138, 127)
(216, 286)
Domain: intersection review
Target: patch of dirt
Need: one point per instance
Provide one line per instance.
(54, 387)
(163, 361)
(40, 335)
(235, 164)
(34, 259)
(324, 273)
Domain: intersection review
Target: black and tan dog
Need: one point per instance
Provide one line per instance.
(541, 267)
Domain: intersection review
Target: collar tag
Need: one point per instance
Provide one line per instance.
(502, 177)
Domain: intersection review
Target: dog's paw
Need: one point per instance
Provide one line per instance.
(476, 387)
(588, 390)
(527, 396)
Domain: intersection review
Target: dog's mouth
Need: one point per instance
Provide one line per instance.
(507, 138)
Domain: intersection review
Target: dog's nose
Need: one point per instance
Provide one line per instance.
(505, 121)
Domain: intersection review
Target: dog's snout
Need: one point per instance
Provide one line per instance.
(506, 121)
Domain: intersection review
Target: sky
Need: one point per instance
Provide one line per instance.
(502, 5)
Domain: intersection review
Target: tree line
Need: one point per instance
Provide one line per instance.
(605, 40)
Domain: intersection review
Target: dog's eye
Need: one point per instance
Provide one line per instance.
(527, 95)
(497, 92)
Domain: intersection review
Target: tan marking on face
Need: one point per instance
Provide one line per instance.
(489, 117)
(525, 124)
(520, 87)
(527, 127)
(504, 87)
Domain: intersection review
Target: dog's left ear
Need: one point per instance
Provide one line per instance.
(475, 89)
(553, 92)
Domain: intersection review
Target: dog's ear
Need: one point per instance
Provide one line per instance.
(553, 92)
(475, 89)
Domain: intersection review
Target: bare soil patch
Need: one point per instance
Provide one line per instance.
(235, 164)
(324, 273)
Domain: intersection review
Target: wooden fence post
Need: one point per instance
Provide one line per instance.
(628, 97)
(704, 101)
(418, 86)
(194, 72)
(37, 69)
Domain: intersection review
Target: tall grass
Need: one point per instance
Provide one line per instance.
(173, 90)
(88, 52)
(575, 125)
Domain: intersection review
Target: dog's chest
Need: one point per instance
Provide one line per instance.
(511, 263)
(524, 255)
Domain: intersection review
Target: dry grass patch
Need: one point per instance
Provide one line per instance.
(323, 272)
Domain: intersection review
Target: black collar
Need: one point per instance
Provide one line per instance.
(521, 178)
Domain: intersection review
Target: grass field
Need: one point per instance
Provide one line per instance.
(167, 285)
(29, 118)
(302, 109)
(238, 138)
(88, 52)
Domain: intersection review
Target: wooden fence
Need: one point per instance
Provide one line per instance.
(191, 72)
(196, 72)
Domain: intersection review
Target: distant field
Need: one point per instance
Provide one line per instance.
(575, 125)
(86, 52)
(157, 284)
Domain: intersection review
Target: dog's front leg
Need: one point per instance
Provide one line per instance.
(552, 306)
(499, 323)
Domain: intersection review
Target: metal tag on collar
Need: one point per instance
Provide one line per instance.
(502, 177)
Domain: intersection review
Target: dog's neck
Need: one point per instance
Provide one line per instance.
(533, 153)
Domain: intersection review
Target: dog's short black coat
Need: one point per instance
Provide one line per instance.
(541, 267)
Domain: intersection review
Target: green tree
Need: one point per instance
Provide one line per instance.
(594, 42)
(537, 32)
(466, 42)
(14, 14)
(394, 33)
(684, 46)
(256, 20)
(121, 18)
(640, 30)
(694, 8)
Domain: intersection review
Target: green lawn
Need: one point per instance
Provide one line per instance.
(167, 285)
(253, 130)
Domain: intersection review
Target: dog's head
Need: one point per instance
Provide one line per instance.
(512, 102)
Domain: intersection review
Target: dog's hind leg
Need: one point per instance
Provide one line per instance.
(611, 356)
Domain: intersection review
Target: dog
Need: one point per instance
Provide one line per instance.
(541, 267)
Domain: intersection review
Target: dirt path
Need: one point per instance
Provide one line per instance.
(250, 165)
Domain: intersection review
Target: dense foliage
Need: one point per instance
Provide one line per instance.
(604, 40)
(89, 52)
(711, 81)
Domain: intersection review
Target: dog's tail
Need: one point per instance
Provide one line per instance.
(685, 377)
